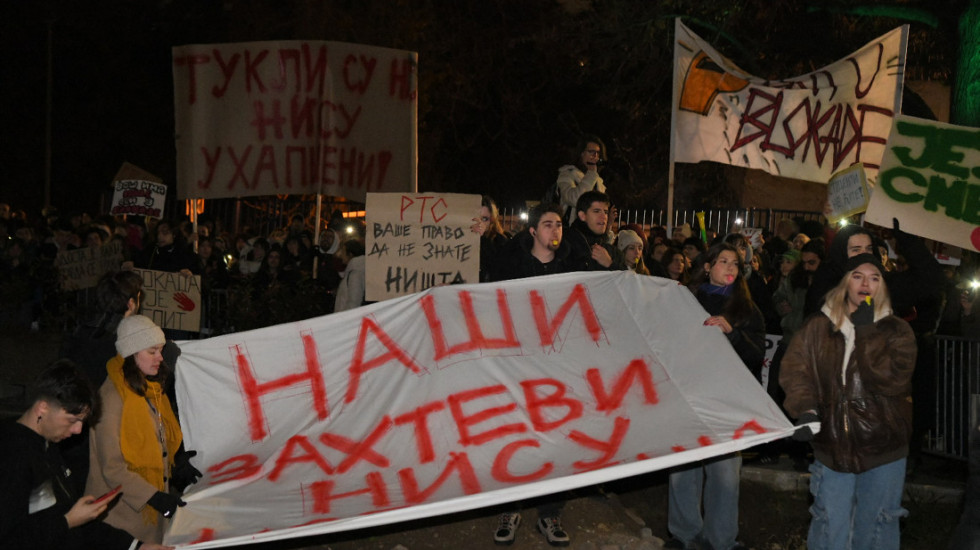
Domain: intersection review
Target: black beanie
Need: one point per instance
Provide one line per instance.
(854, 261)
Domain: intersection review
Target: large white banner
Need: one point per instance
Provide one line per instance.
(455, 398)
(305, 117)
(806, 127)
(930, 181)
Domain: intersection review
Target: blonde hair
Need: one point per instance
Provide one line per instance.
(836, 300)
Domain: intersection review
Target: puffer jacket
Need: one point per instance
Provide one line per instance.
(865, 406)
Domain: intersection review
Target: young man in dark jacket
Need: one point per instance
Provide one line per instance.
(39, 508)
(539, 250)
(589, 235)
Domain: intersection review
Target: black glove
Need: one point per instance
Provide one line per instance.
(803, 432)
(184, 473)
(170, 352)
(864, 314)
(165, 503)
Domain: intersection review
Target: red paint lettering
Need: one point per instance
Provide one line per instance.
(212, 164)
(236, 467)
(364, 450)
(239, 167)
(261, 120)
(360, 82)
(501, 470)
(548, 329)
(400, 84)
(464, 421)
(266, 163)
(253, 390)
(322, 493)
(607, 449)
(536, 405)
(477, 340)
(458, 462)
(207, 534)
(310, 454)
(637, 370)
(252, 70)
(191, 62)
(750, 425)
(359, 366)
(423, 437)
(227, 71)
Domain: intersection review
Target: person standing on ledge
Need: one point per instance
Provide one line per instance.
(575, 179)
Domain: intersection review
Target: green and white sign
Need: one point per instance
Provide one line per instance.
(930, 180)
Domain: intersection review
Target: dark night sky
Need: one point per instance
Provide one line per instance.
(111, 102)
(500, 128)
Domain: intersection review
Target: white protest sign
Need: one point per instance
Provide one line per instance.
(138, 197)
(456, 398)
(294, 116)
(930, 182)
(417, 241)
(172, 300)
(82, 267)
(847, 193)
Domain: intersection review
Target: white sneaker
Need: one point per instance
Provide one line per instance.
(506, 528)
(552, 530)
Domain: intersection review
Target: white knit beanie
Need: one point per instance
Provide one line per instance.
(627, 237)
(136, 333)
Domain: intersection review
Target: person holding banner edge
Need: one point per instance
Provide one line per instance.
(850, 369)
(138, 442)
(538, 250)
(721, 289)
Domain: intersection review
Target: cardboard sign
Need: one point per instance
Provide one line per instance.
(805, 127)
(456, 398)
(419, 241)
(930, 182)
(83, 267)
(172, 300)
(754, 235)
(138, 197)
(847, 193)
(296, 117)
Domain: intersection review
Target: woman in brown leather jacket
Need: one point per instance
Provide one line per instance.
(849, 369)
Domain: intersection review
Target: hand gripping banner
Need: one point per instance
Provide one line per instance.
(459, 397)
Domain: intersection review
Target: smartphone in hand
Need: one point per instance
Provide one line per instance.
(108, 495)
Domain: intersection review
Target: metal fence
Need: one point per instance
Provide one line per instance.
(722, 220)
(957, 396)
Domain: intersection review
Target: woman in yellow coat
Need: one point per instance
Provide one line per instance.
(136, 442)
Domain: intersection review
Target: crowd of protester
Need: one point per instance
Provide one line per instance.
(258, 271)
(773, 283)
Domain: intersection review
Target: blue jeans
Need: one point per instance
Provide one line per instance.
(856, 511)
(717, 481)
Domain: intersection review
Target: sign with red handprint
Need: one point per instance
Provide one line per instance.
(172, 300)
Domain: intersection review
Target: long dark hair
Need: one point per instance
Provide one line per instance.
(739, 305)
(113, 293)
(135, 378)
